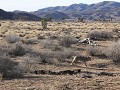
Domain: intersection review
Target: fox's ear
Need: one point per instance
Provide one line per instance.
(74, 56)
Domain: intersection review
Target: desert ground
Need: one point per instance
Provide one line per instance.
(40, 51)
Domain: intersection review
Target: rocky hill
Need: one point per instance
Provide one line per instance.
(4, 15)
(52, 14)
(101, 10)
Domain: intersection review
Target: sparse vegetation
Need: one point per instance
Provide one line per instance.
(49, 53)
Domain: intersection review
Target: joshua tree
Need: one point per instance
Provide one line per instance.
(63, 19)
(80, 19)
(44, 23)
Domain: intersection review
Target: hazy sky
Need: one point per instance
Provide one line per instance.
(33, 5)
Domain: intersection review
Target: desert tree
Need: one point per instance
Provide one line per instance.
(44, 23)
(63, 19)
(80, 19)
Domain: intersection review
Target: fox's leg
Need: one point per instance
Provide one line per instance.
(74, 59)
(85, 63)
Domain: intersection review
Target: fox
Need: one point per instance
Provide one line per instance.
(80, 58)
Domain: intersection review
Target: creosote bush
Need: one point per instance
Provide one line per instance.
(100, 35)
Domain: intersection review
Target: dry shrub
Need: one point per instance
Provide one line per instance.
(100, 35)
(40, 37)
(27, 63)
(44, 56)
(60, 56)
(12, 38)
(41, 56)
(116, 30)
(17, 50)
(4, 51)
(118, 34)
(10, 69)
(53, 37)
(31, 41)
(50, 57)
(68, 40)
(51, 44)
(1, 78)
(97, 51)
(114, 52)
(57, 56)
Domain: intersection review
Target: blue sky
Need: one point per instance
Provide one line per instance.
(33, 5)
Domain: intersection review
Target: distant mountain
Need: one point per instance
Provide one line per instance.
(105, 9)
(101, 10)
(71, 8)
(51, 14)
(25, 16)
(4, 15)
